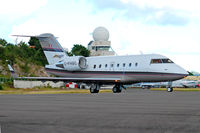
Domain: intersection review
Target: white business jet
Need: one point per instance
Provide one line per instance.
(101, 70)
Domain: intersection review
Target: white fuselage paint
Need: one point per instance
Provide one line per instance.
(137, 68)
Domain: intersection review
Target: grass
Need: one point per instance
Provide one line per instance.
(46, 91)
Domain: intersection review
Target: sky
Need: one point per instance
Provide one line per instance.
(167, 27)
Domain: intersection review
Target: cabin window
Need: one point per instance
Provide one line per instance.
(94, 66)
(156, 61)
(136, 64)
(153, 61)
(112, 65)
(117, 65)
(100, 66)
(106, 65)
(130, 64)
(124, 64)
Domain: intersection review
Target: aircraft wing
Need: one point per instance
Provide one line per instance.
(87, 80)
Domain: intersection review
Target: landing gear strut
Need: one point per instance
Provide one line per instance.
(94, 88)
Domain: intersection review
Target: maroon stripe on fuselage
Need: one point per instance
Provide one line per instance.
(113, 73)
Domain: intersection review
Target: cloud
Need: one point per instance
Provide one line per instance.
(20, 7)
(16, 12)
(144, 12)
(107, 4)
(169, 18)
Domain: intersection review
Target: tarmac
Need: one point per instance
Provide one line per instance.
(132, 111)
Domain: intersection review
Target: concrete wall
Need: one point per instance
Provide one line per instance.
(32, 84)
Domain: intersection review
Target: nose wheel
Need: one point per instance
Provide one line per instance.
(170, 88)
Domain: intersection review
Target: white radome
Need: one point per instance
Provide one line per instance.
(100, 34)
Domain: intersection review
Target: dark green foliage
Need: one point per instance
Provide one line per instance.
(39, 56)
(190, 73)
(1, 87)
(1, 53)
(35, 42)
(69, 53)
(8, 83)
(10, 53)
(80, 50)
(3, 42)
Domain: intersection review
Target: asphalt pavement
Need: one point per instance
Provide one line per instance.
(132, 111)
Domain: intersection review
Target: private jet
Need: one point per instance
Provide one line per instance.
(107, 70)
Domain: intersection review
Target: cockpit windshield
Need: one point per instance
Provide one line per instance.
(155, 61)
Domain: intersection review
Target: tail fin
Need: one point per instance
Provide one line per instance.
(12, 72)
(51, 47)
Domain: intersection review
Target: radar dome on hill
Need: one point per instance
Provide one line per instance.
(100, 34)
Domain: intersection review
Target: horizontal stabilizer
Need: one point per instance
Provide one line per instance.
(37, 36)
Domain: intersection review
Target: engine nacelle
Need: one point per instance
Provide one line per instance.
(75, 63)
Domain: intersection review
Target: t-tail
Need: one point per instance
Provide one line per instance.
(51, 47)
(12, 72)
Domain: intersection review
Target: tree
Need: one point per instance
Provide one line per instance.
(190, 73)
(38, 54)
(2, 56)
(35, 42)
(69, 53)
(79, 49)
(11, 52)
(3, 42)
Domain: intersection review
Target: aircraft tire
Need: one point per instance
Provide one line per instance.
(116, 89)
(169, 89)
(82, 87)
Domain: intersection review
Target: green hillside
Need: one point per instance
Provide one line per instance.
(26, 59)
(29, 59)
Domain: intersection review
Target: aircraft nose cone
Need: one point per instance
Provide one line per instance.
(184, 72)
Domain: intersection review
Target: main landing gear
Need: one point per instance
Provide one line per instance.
(94, 88)
(118, 88)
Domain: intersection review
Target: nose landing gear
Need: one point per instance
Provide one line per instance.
(170, 88)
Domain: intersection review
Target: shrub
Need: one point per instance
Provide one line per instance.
(1, 87)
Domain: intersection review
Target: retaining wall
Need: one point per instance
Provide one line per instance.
(32, 84)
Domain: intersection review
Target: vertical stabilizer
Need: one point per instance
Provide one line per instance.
(52, 48)
(12, 72)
